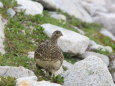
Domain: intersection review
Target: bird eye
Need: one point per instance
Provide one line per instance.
(57, 32)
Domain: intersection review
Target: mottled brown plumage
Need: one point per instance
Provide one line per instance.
(48, 55)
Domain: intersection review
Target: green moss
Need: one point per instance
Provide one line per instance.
(20, 43)
(7, 81)
(9, 3)
(58, 79)
(69, 58)
(16, 60)
(65, 68)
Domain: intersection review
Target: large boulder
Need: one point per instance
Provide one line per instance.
(91, 71)
(106, 20)
(72, 7)
(93, 8)
(109, 2)
(71, 41)
(104, 58)
(99, 2)
(30, 7)
(112, 8)
(32, 81)
(15, 72)
(2, 37)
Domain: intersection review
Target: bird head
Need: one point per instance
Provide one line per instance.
(57, 34)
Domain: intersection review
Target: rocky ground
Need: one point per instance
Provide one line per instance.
(88, 41)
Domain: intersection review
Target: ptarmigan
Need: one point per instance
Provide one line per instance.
(48, 55)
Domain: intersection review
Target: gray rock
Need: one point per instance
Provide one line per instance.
(11, 12)
(91, 71)
(50, 6)
(60, 71)
(105, 32)
(72, 7)
(112, 62)
(94, 46)
(79, 43)
(31, 54)
(15, 72)
(57, 16)
(106, 20)
(104, 58)
(32, 81)
(112, 66)
(98, 2)
(27, 78)
(30, 7)
(1, 5)
(109, 2)
(113, 76)
(2, 37)
(23, 32)
(67, 64)
(112, 8)
(92, 8)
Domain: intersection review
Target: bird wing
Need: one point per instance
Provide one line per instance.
(42, 51)
(57, 54)
(48, 52)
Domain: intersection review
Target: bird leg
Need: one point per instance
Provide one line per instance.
(47, 74)
(38, 67)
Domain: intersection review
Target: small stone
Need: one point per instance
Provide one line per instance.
(27, 78)
(57, 16)
(23, 32)
(11, 12)
(107, 33)
(31, 54)
(32, 81)
(30, 7)
(109, 49)
(2, 37)
(1, 5)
